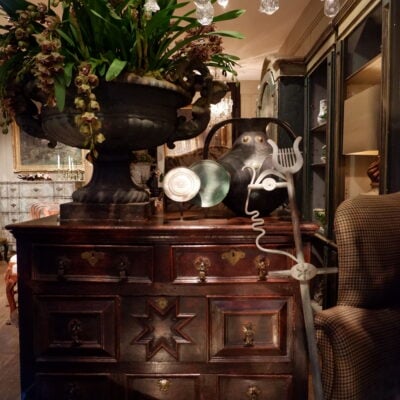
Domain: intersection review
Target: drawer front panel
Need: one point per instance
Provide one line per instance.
(43, 189)
(225, 263)
(76, 329)
(93, 263)
(73, 386)
(250, 329)
(168, 387)
(255, 387)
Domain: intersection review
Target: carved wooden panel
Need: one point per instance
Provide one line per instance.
(250, 329)
(76, 328)
(93, 263)
(164, 328)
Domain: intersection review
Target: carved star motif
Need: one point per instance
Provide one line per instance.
(162, 329)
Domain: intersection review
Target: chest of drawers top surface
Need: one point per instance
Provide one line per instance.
(160, 229)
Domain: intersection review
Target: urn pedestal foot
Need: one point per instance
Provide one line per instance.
(110, 195)
(103, 213)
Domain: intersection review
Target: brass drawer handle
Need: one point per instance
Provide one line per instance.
(72, 391)
(253, 392)
(74, 330)
(202, 264)
(164, 384)
(122, 264)
(63, 264)
(262, 263)
(248, 334)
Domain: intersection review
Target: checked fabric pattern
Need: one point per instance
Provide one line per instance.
(359, 338)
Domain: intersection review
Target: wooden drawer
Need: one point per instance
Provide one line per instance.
(93, 263)
(165, 387)
(76, 328)
(73, 386)
(225, 263)
(268, 387)
(250, 329)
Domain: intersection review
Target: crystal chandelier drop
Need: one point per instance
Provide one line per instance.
(331, 8)
(205, 10)
(269, 6)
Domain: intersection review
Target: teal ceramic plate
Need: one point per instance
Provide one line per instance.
(181, 184)
(214, 183)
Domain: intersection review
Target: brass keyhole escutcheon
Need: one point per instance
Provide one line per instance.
(233, 256)
(92, 257)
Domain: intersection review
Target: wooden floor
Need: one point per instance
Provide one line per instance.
(9, 359)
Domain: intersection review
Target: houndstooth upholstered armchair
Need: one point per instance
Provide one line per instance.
(359, 338)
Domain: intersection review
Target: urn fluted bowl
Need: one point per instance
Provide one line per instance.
(137, 113)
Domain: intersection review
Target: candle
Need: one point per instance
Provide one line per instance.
(58, 161)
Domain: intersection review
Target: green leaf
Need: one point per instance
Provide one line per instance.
(68, 73)
(60, 91)
(115, 69)
(231, 34)
(229, 15)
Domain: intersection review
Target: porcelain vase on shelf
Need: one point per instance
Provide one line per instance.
(323, 111)
(135, 115)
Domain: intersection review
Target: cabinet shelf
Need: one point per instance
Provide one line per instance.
(318, 165)
(370, 73)
(319, 128)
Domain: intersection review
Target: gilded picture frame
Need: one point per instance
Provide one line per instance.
(32, 154)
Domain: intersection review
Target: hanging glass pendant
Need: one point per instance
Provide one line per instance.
(151, 5)
(201, 3)
(269, 6)
(205, 14)
(331, 8)
(223, 3)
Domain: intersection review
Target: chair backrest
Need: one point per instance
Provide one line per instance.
(367, 232)
(39, 210)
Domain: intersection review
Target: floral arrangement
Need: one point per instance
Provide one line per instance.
(47, 49)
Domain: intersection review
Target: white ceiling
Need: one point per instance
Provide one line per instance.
(264, 34)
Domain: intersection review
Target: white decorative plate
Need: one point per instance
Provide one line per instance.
(181, 184)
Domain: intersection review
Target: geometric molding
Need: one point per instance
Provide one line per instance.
(162, 327)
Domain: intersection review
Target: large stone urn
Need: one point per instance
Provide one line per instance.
(136, 113)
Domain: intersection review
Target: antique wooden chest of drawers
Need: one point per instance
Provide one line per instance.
(164, 310)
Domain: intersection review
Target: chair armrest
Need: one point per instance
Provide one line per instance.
(360, 352)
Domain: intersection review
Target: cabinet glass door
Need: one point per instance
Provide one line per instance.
(362, 94)
(317, 143)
